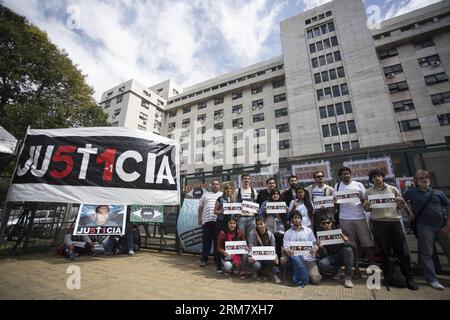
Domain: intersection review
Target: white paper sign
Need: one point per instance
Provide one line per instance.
(330, 237)
(263, 253)
(382, 201)
(275, 207)
(232, 208)
(79, 244)
(301, 248)
(236, 247)
(249, 208)
(347, 196)
(324, 201)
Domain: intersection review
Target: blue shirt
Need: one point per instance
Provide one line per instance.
(435, 211)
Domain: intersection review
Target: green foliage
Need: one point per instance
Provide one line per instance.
(40, 87)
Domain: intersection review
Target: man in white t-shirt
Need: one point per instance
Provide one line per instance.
(246, 193)
(207, 219)
(352, 218)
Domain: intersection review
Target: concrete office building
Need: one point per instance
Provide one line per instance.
(339, 87)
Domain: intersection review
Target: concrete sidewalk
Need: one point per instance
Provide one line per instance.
(154, 275)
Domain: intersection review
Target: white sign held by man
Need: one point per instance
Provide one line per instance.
(236, 247)
(347, 196)
(324, 201)
(263, 253)
(249, 208)
(380, 201)
(330, 237)
(232, 208)
(275, 207)
(301, 248)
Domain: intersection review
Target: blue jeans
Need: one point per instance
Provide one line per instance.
(332, 263)
(427, 235)
(258, 265)
(300, 265)
(247, 224)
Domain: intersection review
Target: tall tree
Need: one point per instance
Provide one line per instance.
(39, 85)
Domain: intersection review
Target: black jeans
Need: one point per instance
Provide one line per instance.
(221, 225)
(390, 234)
(208, 233)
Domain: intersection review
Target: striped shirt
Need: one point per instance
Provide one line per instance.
(208, 202)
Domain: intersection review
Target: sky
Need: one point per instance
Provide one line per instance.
(186, 41)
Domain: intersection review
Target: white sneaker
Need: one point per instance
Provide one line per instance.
(436, 285)
(131, 252)
(348, 283)
(255, 275)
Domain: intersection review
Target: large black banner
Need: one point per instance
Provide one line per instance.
(97, 165)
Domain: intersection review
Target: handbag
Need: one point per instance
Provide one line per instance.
(413, 223)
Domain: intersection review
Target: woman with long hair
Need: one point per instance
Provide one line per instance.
(302, 204)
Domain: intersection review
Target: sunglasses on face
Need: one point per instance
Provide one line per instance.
(326, 222)
(318, 177)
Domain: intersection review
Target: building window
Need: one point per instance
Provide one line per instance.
(279, 97)
(392, 70)
(218, 100)
(122, 89)
(323, 112)
(348, 107)
(334, 41)
(282, 127)
(355, 144)
(278, 84)
(115, 124)
(202, 105)
(337, 146)
(329, 58)
(342, 128)
(344, 89)
(217, 169)
(281, 112)
(387, 53)
(186, 110)
(334, 129)
(107, 105)
(317, 78)
(312, 48)
(116, 112)
(218, 126)
(238, 136)
(444, 119)
(218, 114)
(143, 116)
(325, 131)
(172, 113)
(283, 144)
(199, 170)
(436, 78)
(423, 44)
(236, 95)
(403, 105)
(397, 86)
(337, 56)
(330, 110)
(310, 34)
(259, 132)
(109, 94)
(322, 61)
(336, 91)
(351, 126)
(327, 92)
(339, 109)
(238, 152)
(258, 117)
(257, 104)
(199, 158)
(340, 72)
(201, 130)
(315, 63)
(430, 61)
(119, 99)
(440, 98)
(141, 127)
(345, 145)
(408, 125)
(319, 46)
(171, 126)
(256, 90)
(260, 148)
(320, 95)
(333, 75)
(325, 76)
(238, 123)
(328, 148)
(186, 123)
(201, 117)
(237, 109)
(200, 144)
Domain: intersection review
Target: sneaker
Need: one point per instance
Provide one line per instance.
(277, 279)
(412, 285)
(348, 283)
(243, 275)
(131, 252)
(72, 255)
(436, 285)
(219, 270)
(255, 275)
(202, 264)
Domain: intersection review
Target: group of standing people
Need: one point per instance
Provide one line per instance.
(302, 220)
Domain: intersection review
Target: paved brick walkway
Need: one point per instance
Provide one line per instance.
(154, 275)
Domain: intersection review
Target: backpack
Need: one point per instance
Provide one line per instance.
(393, 274)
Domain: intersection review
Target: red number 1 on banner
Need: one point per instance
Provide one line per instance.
(108, 158)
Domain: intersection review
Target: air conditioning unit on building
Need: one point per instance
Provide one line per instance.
(239, 111)
(240, 125)
(436, 63)
(391, 75)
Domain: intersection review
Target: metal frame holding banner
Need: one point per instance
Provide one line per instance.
(360, 168)
(304, 171)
